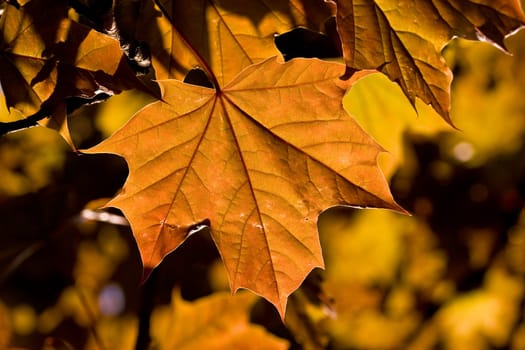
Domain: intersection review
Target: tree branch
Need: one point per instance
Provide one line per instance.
(32, 120)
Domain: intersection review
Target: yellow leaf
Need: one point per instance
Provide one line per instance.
(381, 109)
(114, 333)
(217, 322)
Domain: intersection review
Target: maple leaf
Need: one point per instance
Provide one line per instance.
(218, 321)
(45, 57)
(259, 159)
(403, 39)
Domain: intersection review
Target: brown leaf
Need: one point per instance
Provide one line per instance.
(219, 321)
(403, 39)
(58, 121)
(45, 57)
(259, 159)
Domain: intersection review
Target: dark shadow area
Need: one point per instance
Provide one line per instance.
(187, 268)
(473, 204)
(303, 42)
(40, 236)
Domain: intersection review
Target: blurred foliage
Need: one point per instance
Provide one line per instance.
(451, 277)
(28, 162)
(375, 101)
(219, 321)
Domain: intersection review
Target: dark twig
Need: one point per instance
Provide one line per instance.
(147, 296)
(32, 120)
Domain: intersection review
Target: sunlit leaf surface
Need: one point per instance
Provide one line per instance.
(259, 172)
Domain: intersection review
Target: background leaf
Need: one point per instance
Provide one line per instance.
(392, 109)
(47, 57)
(219, 321)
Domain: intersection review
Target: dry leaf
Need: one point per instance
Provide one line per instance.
(45, 57)
(260, 160)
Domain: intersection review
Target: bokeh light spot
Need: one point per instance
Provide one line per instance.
(463, 151)
(111, 300)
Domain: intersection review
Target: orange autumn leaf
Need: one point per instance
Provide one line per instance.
(404, 39)
(259, 159)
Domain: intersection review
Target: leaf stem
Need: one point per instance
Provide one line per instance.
(205, 66)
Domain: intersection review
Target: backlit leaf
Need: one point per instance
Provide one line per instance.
(403, 39)
(260, 160)
(46, 57)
